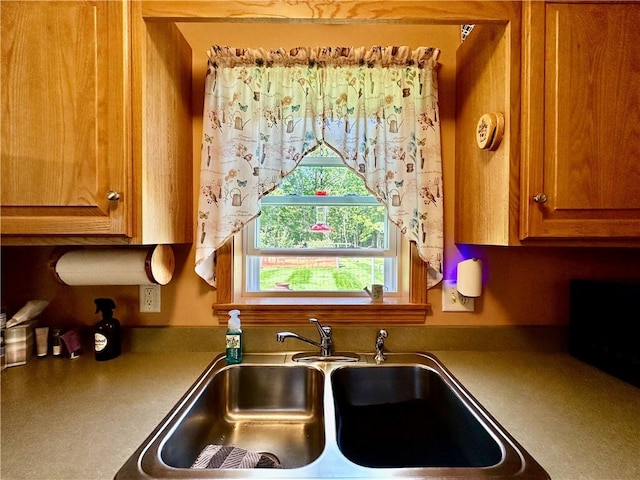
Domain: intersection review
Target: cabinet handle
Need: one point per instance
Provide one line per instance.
(113, 196)
(540, 198)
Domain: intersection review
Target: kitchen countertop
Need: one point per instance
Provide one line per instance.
(81, 419)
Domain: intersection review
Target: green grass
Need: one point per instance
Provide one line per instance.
(301, 276)
(347, 281)
(352, 274)
(270, 276)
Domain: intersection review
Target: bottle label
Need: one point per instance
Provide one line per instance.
(233, 341)
(100, 342)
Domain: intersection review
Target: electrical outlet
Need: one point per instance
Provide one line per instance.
(452, 301)
(150, 298)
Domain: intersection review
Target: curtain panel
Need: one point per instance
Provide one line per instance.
(264, 110)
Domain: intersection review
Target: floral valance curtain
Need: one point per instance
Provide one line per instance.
(265, 109)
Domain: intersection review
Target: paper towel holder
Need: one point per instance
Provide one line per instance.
(469, 280)
(125, 265)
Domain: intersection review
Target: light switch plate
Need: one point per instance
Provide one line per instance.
(452, 301)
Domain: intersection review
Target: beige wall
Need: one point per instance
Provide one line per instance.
(523, 286)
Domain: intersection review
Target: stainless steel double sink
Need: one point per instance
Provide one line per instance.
(406, 418)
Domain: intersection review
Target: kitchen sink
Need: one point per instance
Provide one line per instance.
(268, 408)
(406, 418)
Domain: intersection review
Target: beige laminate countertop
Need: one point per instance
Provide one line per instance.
(81, 419)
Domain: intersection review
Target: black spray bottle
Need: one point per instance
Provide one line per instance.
(107, 331)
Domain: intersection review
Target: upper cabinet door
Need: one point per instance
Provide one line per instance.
(581, 136)
(65, 122)
(487, 82)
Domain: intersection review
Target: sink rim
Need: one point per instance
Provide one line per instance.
(146, 461)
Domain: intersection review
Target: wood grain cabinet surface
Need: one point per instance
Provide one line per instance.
(571, 172)
(96, 99)
(80, 162)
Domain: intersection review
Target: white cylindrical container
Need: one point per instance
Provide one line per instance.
(470, 277)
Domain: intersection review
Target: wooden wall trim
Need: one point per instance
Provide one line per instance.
(414, 11)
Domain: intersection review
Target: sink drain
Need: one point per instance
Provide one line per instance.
(271, 456)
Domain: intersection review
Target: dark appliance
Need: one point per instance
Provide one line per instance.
(603, 326)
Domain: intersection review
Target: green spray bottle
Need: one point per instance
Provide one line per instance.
(107, 331)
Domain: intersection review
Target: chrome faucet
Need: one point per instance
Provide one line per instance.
(379, 358)
(326, 342)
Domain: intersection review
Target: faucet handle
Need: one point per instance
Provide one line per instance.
(382, 334)
(380, 357)
(324, 331)
(327, 332)
(326, 342)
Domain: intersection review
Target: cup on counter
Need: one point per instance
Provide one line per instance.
(376, 293)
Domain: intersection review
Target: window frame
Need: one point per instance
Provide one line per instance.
(408, 308)
(325, 157)
(391, 253)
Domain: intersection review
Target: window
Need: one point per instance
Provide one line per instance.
(304, 223)
(321, 231)
(393, 96)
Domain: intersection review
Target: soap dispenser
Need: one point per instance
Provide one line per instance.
(107, 331)
(234, 338)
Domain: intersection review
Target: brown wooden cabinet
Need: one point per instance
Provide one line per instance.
(575, 177)
(82, 161)
(585, 97)
(65, 140)
(487, 81)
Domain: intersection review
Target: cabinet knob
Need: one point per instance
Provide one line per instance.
(113, 196)
(540, 198)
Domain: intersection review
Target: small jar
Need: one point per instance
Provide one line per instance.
(55, 342)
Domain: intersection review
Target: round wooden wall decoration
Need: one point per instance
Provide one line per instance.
(490, 130)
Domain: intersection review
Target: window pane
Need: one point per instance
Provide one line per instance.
(321, 230)
(333, 180)
(307, 226)
(331, 274)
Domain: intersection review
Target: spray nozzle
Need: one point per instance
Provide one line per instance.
(105, 305)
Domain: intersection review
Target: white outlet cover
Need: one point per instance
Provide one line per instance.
(452, 301)
(150, 298)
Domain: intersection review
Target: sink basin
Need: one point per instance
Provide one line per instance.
(261, 405)
(260, 408)
(348, 419)
(407, 416)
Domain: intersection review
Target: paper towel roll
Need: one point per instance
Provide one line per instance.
(470, 277)
(115, 266)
